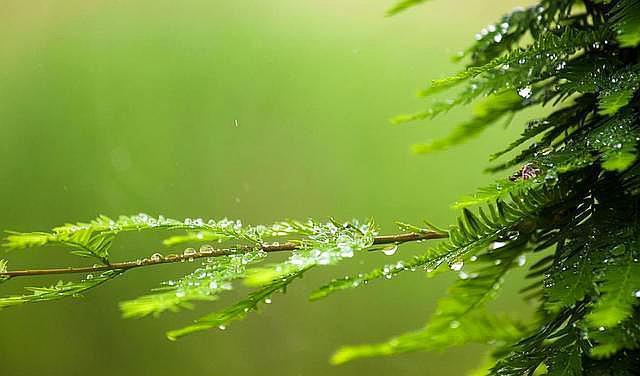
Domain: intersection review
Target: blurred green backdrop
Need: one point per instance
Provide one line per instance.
(120, 107)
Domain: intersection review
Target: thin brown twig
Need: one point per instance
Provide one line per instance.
(210, 252)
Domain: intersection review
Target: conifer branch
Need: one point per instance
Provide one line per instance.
(211, 252)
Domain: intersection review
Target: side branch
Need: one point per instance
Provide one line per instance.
(211, 252)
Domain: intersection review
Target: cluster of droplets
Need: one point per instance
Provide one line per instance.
(386, 272)
(494, 32)
(145, 220)
(328, 243)
(142, 220)
(614, 135)
(214, 275)
(94, 276)
(224, 224)
(123, 223)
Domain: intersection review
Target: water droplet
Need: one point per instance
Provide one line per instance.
(637, 294)
(222, 327)
(525, 92)
(267, 301)
(618, 250)
(346, 251)
(297, 260)
(189, 252)
(156, 257)
(497, 38)
(513, 235)
(454, 324)
(324, 258)
(206, 249)
(457, 265)
(391, 250)
(496, 245)
(89, 277)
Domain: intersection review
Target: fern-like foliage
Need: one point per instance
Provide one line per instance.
(502, 222)
(3, 269)
(461, 317)
(582, 58)
(312, 243)
(568, 197)
(60, 290)
(239, 310)
(203, 284)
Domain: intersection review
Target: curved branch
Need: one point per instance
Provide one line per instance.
(211, 252)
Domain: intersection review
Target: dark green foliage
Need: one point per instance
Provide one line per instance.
(582, 58)
(568, 198)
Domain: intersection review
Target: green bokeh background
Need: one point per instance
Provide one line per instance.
(120, 107)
